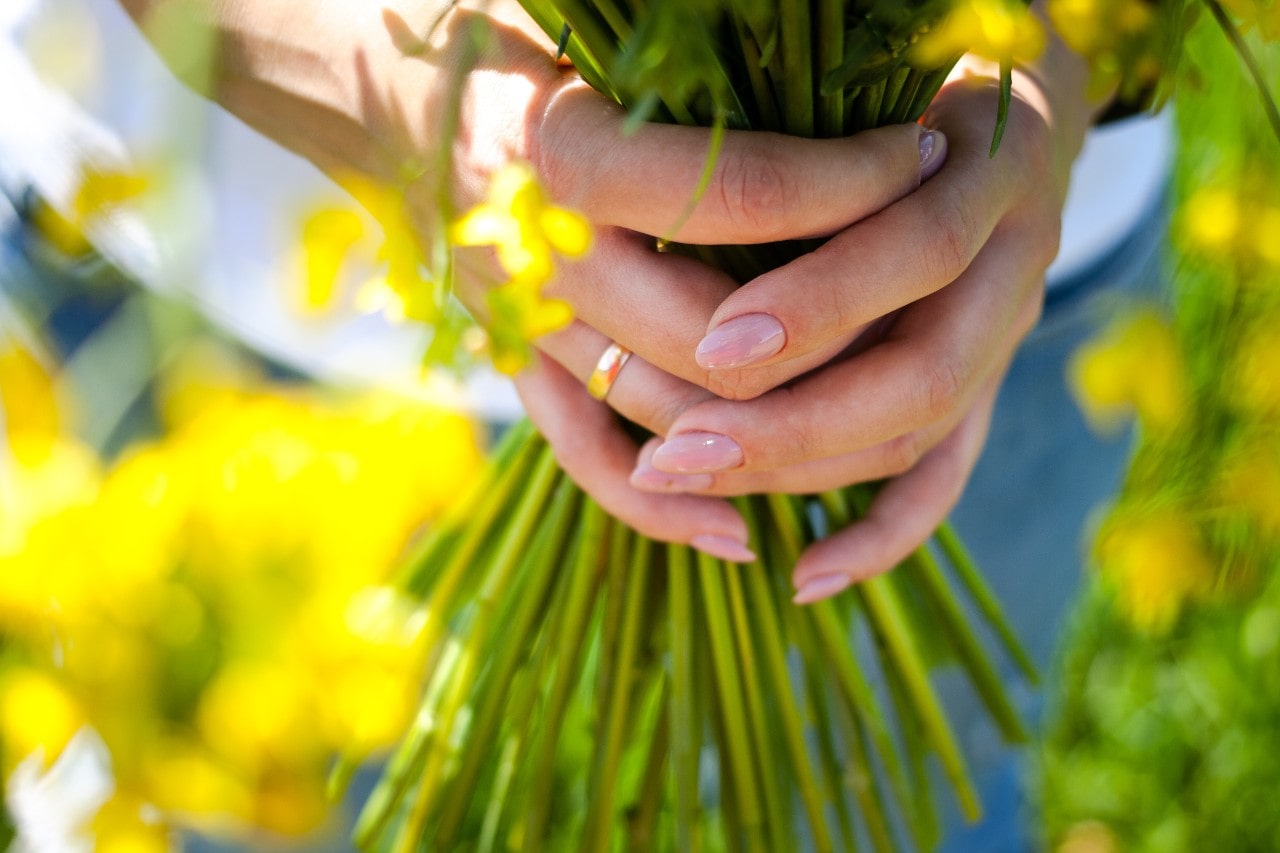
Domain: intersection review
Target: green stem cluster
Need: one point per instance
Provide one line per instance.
(585, 681)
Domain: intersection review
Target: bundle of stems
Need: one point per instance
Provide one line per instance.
(592, 689)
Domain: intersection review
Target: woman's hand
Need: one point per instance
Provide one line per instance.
(945, 282)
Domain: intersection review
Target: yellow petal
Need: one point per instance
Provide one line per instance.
(327, 237)
(567, 231)
(485, 226)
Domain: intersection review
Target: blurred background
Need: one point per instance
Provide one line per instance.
(207, 482)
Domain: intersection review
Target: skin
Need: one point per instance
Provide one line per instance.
(897, 331)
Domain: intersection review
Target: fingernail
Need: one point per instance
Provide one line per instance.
(647, 478)
(820, 587)
(697, 452)
(723, 547)
(741, 341)
(933, 150)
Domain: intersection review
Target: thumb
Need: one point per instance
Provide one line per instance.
(764, 187)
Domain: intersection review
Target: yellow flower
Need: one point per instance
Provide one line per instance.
(33, 413)
(523, 226)
(993, 29)
(98, 193)
(328, 234)
(1254, 373)
(1134, 366)
(1092, 27)
(1155, 565)
(1263, 14)
(1211, 220)
(36, 713)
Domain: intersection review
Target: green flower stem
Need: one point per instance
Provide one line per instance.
(924, 568)
(830, 54)
(761, 88)
(570, 651)
(817, 689)
(491, 493)
(617, 705)
(685, 724)
(929, 87)
(539, 557)
(407, 762)
(885, 610)
(643, 819)
(489, 836)
(769, 629)
(860, 777)
(760, 725)
(891, 624)
(892, 99)
(971, 579)
(923, 816)
(835, 645)
(536, 580)
(905, 100)
(797, 70)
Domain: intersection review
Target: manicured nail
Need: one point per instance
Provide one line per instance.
(820, 587)
(697, 453)
(933, 150)
(649, 479)
(741, 341)
(723, 547)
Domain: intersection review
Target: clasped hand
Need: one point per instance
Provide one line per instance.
(878, 355)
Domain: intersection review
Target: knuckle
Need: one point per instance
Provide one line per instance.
(901, 454)
(754, 189)
(952, 243)
(662, 409)
(734, 384)
(941, 387)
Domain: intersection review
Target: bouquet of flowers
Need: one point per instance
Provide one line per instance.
(584, 681)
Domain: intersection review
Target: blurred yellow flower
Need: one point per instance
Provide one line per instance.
(1262, 14)
(36, 715)
(993, 29)
(523, 226)
(1254, 373)
(1091, 27)
(328, 235)
(1155, 564)
(34, 415)
(1212, 220)
(218, 599)
(1135, 365)
(98, 192)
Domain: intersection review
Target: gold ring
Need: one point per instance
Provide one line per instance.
(607, 370)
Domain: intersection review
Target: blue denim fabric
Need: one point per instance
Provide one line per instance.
(1025, 517)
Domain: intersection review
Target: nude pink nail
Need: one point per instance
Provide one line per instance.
(933, 150)
(649, 479)
(820, 587)
(741, 341)
(723, 547)
(697, 453)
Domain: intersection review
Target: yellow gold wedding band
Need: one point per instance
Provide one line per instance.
(607, 370)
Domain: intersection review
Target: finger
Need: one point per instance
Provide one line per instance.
(764, 187)
(889, 459)
(641, 393)
(929, 366)
(592, 448)
(902, 516)
(904, 253)
(658, 305)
